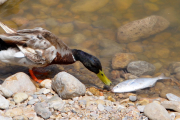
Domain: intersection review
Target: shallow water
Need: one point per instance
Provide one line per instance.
(95, 31)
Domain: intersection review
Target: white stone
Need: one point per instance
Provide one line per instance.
(19, 82)
(19, 97)
(4, 104)
(67, 86)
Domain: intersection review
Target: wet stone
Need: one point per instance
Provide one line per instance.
(139, 68)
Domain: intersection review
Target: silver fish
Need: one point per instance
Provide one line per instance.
(137, 84)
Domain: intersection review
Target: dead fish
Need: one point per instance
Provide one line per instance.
(137, 84)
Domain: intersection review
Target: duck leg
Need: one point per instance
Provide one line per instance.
(34, 77)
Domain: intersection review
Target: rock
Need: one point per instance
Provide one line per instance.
(142, 28)
(51, 22)
(135, 47)
(78, 38)
(100, 107)
(121, 60)
(42, 110)
(139, 68)
(2, 1)
(132, 98)
(174, 105)
(88, 5)
(67, 86)
(14, 112)
(56, 102)
(4, 104)
(5, 118)
(141, 108)
(49, 3)
(156, 111)
(172, 97)
(20, 97)
(6, 92)
(162, 52)
(19, 82)
(151, 7)
(33, 101)
(123, 4)
(66, 28)
(29, 112)
(46, 83)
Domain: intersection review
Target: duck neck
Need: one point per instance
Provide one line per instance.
(79, 55)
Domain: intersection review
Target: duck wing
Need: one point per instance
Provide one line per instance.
(32, 44)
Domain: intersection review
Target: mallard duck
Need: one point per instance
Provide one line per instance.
(38, 47)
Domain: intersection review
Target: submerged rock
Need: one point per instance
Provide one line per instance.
(156, 111)
(139, 68)
(141, 28)
(88, 5)
(19, 82)
(67, 86)
(123, 4)
(121, 60)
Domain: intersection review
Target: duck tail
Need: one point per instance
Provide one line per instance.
(7, 29)
(162, 76)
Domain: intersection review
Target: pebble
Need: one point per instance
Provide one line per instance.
(132, 98)
(66, 28)
(46, 83)
(172, 97)
(56, 102)
(174, 105)
(20, 97)
(100, 107)
(141, 108)
(5, 118)
(14, 112)
(4, 104)
(6, 92)
(123, 4)
(88, 5)
(67, 86)
(40, 109)
(33, 101)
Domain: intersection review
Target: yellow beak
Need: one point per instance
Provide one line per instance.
(103, 78)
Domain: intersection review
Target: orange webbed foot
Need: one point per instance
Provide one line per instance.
(34, 77)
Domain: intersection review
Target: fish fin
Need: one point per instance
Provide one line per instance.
(130, 82)
(162, 76)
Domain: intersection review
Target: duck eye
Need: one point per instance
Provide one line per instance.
(102, 74)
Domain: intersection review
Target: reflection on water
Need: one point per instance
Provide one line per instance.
(92, 26)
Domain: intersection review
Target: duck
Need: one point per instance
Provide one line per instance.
(39, 47)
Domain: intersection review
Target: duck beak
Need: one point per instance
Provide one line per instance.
(103, 78)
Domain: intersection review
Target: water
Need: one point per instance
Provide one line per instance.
(95, 31)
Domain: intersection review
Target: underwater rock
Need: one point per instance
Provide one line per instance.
(142, 28)
(123, 4)
(88, 5)
(121, 60)
(139, 68)
(66, 28)
(67, 86)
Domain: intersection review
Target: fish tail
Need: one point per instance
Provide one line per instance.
(162, 76)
